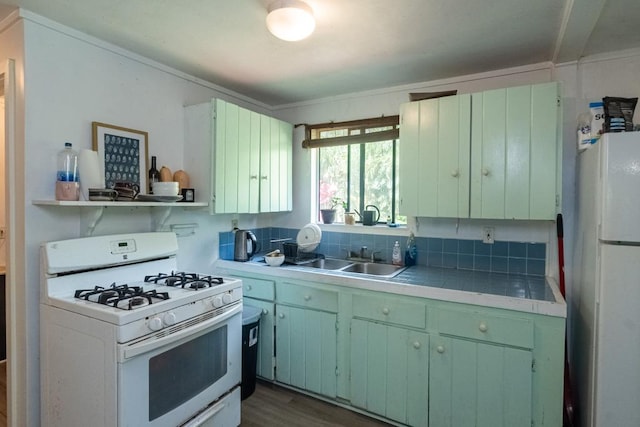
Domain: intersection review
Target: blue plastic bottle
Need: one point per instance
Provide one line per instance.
(411, 253)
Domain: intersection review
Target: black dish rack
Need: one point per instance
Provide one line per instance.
(293, 255)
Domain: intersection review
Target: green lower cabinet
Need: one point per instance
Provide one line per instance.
(478, 384)
(265, 362)
(390, 371)
(306, 349)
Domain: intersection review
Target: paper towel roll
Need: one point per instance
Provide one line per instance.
(91, 174)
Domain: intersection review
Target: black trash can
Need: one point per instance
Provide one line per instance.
(250, 326)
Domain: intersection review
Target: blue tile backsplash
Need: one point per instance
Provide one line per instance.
(500, 257)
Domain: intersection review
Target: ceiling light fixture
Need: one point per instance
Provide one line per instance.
(290, 20)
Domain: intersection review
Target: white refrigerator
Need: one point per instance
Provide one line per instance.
(605, 300)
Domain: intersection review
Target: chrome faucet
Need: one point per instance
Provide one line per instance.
(363, 252)
(373, 256)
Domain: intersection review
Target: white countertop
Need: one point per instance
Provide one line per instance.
(425, 282)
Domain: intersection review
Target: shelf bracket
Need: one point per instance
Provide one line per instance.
(160, 215)
(89, 219)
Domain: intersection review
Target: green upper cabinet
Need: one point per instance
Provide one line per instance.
(240, 161)
(434, 157)
(493, 154)
(515, 157)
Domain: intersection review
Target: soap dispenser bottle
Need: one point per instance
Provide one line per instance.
(411, 252)
(396, 258)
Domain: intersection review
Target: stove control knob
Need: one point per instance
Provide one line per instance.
(169, 318)
(217, 302)
(226, 298)
(155, 323)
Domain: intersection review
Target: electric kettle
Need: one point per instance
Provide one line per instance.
(245, 245)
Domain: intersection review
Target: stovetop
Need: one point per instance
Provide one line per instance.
(132, 297)
(127, 280)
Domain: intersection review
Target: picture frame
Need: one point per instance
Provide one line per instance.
(123, 154)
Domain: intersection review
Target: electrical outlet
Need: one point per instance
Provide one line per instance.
(234, 224)
(487, 235)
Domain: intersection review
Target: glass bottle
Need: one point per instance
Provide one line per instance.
(154, 175)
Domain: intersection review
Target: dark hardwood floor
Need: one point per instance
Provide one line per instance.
(274, 406)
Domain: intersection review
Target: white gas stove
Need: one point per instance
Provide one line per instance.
(149, 345)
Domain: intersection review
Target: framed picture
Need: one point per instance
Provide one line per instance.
(123, 152)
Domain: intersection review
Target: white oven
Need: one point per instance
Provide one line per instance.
(167, 355)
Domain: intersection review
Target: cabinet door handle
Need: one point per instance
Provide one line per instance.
(483, 327)
(416, 345)
(455, 173)
(440, 349)
(264, 177)
(281, 315)
(253, 177)
(485, 171)
(248, 287)
(307, 297)
(265, 311)
(385, 311)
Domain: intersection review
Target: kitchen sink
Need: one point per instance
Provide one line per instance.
(327, 263)
(373, 268)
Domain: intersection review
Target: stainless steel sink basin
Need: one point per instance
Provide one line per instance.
(374, 269)
(327, 264)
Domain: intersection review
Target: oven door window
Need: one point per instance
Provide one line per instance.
(179, 374)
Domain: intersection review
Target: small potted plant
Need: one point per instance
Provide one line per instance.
(329, 215)
(349, 217)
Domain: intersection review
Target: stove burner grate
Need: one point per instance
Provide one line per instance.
(124, 297)
(184, 280)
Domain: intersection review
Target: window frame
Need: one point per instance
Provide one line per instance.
(358, 133)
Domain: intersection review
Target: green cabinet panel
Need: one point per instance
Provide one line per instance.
(477, 384)
(258, 288)
(485, 326)
(307, 296)
(515, 167)
(390, 371)
(275, 165)
(408, 160)
(306, 352)
(387, 309)
(434, 157)
(265, 363)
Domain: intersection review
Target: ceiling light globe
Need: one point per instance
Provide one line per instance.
(290, 20)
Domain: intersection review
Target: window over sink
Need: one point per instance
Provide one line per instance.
(357, 167)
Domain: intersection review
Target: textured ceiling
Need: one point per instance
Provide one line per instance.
(358, 44)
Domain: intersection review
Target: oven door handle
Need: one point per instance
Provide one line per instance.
(152, 343)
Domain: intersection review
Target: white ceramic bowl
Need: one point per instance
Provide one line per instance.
(274, 260)
(170, 188)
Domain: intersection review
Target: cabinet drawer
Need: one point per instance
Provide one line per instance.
(488, 327)
(306, 296)
(258, 288)
(390, 310)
